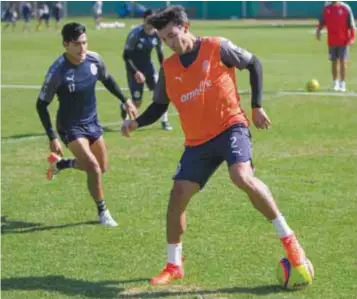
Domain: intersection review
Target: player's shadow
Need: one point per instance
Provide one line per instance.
(115, 288)
(9, 226)
(257, 290)
(67, 286)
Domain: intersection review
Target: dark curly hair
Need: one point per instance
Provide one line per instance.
(147, 13)
(173, 14)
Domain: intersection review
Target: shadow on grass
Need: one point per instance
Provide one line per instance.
(22, 227)
(108, 129)
(67, 286)
(115, 288)
(257, 290)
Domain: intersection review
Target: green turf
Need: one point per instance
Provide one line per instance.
(52, 249)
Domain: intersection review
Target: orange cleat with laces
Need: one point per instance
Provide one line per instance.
(52, 169)
(170, 273)
(294, 251)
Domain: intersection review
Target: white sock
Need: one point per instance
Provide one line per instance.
(281, 227)
(164, 117)
(342, 83)
(174, 254)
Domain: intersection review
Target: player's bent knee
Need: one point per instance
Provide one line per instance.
(183, 191)
(93, 167)
(242, 179)
(103, 169)
(178, 192)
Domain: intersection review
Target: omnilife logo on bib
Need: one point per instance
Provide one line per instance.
(204, 84)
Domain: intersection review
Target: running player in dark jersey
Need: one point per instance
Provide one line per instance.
(72, 77)
(139, 66)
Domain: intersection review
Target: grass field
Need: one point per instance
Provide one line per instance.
(53, 248)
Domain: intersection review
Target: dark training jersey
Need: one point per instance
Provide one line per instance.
(57, 11)
(74, 86)
(138, 48)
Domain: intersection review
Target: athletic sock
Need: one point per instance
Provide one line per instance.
(174, 254)
(101, 206)
(281, 227)
(164, 117)
(65, 163)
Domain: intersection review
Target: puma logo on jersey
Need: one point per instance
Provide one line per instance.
(70, 78)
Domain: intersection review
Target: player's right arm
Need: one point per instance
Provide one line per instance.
(48, 90)
(153, 112)
(320, 25)
(129, 48)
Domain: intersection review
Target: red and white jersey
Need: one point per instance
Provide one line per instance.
(339, 22)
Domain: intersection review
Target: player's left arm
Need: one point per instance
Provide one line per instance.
(234, 56)
(129, 47)
(351, 27)
(111, 85)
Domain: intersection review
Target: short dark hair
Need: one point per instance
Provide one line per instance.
(147, 13)
(173, 14)
(72, 31)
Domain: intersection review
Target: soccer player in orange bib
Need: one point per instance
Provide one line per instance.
(199, 79)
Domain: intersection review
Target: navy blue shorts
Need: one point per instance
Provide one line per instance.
(45, 17)
(92, 131)
(198, 163)
(57, 16)
(335, 53)
(136, 89)
(27, 18)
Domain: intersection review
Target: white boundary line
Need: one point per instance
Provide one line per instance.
(24, 86)
(317, 94)
(279, 93)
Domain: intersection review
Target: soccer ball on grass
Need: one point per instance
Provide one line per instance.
(294, 278)
(312, 85)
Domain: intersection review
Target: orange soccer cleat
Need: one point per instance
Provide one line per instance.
(52, 170)
(294, 251)
(170, 273)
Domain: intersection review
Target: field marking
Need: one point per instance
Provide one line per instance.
(27, 138)
(278, 93)
(317, 94)
(24, 86)
(118, 123)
